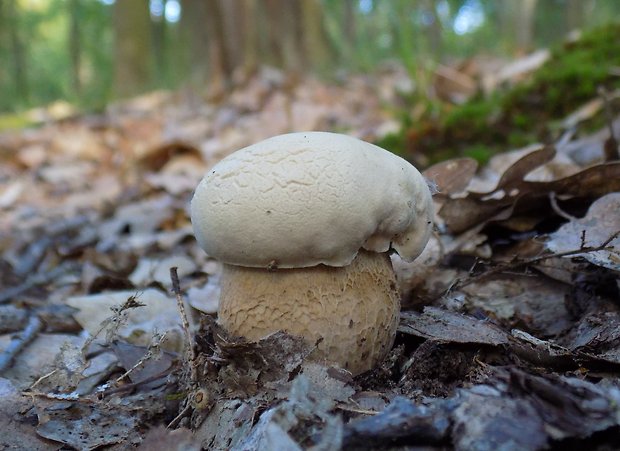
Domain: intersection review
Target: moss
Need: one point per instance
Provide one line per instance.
(14, 121)
(394, 142)
(525, 113)
(474, 115)
(480, 153)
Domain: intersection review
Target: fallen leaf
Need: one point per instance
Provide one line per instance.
(444, 326)
(600, 224)
(84, 426)
(451, 176)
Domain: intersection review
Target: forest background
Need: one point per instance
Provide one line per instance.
(90, 52)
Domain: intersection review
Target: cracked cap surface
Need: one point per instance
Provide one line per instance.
(304, 199)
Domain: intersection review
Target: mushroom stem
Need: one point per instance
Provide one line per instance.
(350, 312)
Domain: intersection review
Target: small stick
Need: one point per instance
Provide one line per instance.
(42, 378)
(554, 205)
(34, 281)
(150, 353)
(175, 422)
(32, 329)
(346, 408)
(117, 311)
(530, 261)
(188, 335)
(132, 385)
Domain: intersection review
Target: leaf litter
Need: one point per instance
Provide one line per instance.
(509, 330)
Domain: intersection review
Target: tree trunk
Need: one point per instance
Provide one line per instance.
(434, 30)
(234, 26)
(524, 24)
(160, 51)
(349, 26)
(74, 45)
(194, 21)
(132, 57)
(251, 36)
(19, 68)
(316, 48)
(291, 23)
(284, 29)
(4, 81)
(575, 10)
(221, 65)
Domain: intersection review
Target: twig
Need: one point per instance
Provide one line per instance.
(34, 326)
(530, 261)
(42, 378)
(191, 345)
(175, 422)
(131, 386)
(35, 280)
(59, 396)
(155, 347)
(556, 208)
(346, 408)
(115, 320)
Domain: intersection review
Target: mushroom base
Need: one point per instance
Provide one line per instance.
(350, 312)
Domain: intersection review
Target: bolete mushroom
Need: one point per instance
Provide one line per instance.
(303, 224)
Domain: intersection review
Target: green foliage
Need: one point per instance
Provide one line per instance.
(571, 77)
(363, 34)
(526, 113)
(44, 31)
(471, 118)
(397, 142)
(14, 121)
(480, 153)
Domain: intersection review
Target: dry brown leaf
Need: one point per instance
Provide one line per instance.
(451, 176)
(444, 326)
(599, 225)
(513, 191)
(530, 301)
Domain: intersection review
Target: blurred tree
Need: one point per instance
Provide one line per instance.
(234, 30)
(193, 22)
(349, 22)
(132, 49)
(86, 50)
(4, 74)
(221, 68)
(524, 23)
(575, 13)
(283, 23)
(434, 28)
(316, 47)
(17, 51)
(96, 54)
(251, 38)
(159, 32)
(74, 44)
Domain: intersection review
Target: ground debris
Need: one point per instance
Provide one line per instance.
(596, 228)
(509, 332)
(402, 419)
(522, 196)
(84, 426)
(511, 410)
(444, 326)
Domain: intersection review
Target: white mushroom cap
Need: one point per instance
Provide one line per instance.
(302, 199)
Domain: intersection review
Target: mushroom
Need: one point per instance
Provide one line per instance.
(303, 224)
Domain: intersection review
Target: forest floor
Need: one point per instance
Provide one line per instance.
(510, 327)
